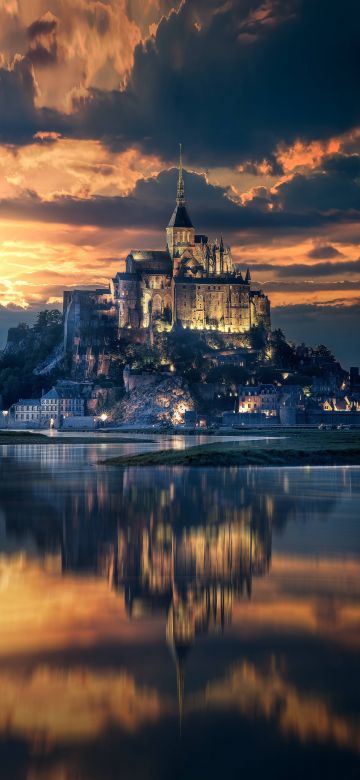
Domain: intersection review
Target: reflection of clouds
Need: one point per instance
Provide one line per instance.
(181, 549)
(252, 693)
(195, 537)
(306, 596)
(43, 611)
(40, 609)
(50, 705)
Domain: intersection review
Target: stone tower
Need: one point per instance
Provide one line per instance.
(180, 233)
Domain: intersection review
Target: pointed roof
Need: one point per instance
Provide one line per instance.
(180, 217)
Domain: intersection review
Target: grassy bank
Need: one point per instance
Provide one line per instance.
(313, 448)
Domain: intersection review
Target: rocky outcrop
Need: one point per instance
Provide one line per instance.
(165, 400)
(50, 363)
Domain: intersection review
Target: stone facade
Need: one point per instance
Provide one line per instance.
(193, 283)
(26, 411)
(60, 403)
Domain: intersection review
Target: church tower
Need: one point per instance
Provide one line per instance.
(180, 233)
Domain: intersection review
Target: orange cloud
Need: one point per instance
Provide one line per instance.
(42, 611)
(86, 704)
(38, 260)
(77, 46)
(307, 717)
(308, 156)
(94, 46)
(54, 166)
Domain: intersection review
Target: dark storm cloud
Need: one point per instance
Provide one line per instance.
(347, 166)
(314, 324)
(322, 269)
(335, 186)
(324, 251)
(41, 55)
(43, 50)
(17, 93)
(309, 286)
(19, 120)
(41, 27)
(229, 99)
(229, 79)
(150, 204)
(318, 270)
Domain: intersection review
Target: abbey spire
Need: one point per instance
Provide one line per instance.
(180, 233)
(180, 196)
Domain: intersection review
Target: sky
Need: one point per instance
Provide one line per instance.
(95, 96)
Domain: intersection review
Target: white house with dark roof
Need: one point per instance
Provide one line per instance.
(59, 403)
(26, 412)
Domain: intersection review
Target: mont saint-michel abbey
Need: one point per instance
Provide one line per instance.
(192, 282)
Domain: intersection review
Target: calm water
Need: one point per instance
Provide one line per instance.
(176, 623)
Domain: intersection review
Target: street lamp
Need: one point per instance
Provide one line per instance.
(103, 417)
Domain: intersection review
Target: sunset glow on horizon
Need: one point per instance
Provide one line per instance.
(94, 99)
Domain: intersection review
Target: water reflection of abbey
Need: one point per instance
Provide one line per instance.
(185, 543)
(192, 573)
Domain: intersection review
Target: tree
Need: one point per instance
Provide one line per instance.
(29, 347)
(257, 337)
(323, 355)
(47, 319)
(282, 354)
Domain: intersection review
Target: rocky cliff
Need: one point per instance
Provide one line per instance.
(166, 400)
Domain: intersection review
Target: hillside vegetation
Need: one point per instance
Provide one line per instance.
(27, 348)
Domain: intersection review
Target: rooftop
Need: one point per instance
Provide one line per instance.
(61, 392)
(180, 218)
(153, 259)
(29, 401)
